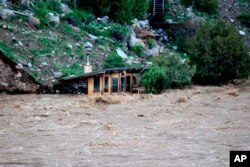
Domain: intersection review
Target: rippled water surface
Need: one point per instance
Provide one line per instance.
(141, 130)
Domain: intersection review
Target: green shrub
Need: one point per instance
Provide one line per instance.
(74, 69)
(245, 18)
(119, 31)
(78, 17)
(98, 7)
(150, 43)
(97, 29)
(40, 11)
(154, 80)
(178, 71)
(54, 5)
(121, 10)
(138, 50)
(209, 6)
(113, 61)
(125, 13)
(167, 72)
(219, 53)
(140, 8)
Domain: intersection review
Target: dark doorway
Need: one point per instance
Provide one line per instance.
(123, 84)
(114, 85)
(97, 84)
(106, 84)
(128, 84)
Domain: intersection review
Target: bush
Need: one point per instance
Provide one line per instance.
(119, 31)
(167, 72)
(138, 50)
(97, 29)
(78, 17)
(154, 80)
(178, 71)
(219, 53)
(121, 10)
(209, 6)
(40, 11)
(113, 61)
(74, 69)
(245, 18)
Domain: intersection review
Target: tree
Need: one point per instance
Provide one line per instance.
(168, 71)
(219, 54)
(154, 80)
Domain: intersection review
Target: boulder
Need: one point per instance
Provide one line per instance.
(104, 19)
(76, 29)
(102, 48)
(65, 8)
(121, 53)
(152, 52)
(70, 46)
(6, 13)
(242, 33)
(53, 18)
(88, 45)
(3, 3)
(19, 66)
(92, 37)
(58, 75)
(144, 24)
(133, 41)
(129, 62)
(34, 21)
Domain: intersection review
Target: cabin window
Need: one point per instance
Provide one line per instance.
(96, 84)
(106, 84)
(114, 85)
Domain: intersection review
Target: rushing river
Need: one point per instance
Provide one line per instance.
(140, 130)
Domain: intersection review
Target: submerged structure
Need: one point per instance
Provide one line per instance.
(104, 82)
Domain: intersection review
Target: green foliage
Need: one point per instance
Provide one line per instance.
(113, 61)
(219, 53)
(167, 72)
(141, 7)
(209, 6)
(97, 29)
(78, 17)
(54, 5)
(74, 69)
(7, 51)
(245, 18)
(154, 80)
(98, 7)
(178, 71)
(40, 11)
(121, 10)
(42, 8)
(150, 43)
(119, 31)
(138, 50)
(125, 14)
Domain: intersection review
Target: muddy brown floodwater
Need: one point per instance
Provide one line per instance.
(193, 127)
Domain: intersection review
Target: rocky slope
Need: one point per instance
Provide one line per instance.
(62, 48)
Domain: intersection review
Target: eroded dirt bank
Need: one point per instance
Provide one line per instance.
(193, 127)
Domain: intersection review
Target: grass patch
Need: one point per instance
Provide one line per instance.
(74, 69)
(8, 51)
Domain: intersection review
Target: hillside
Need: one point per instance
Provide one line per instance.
(55, 44)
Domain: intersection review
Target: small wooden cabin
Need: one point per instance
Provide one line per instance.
(107, 81)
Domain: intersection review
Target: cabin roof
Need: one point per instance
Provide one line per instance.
(105, 71)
